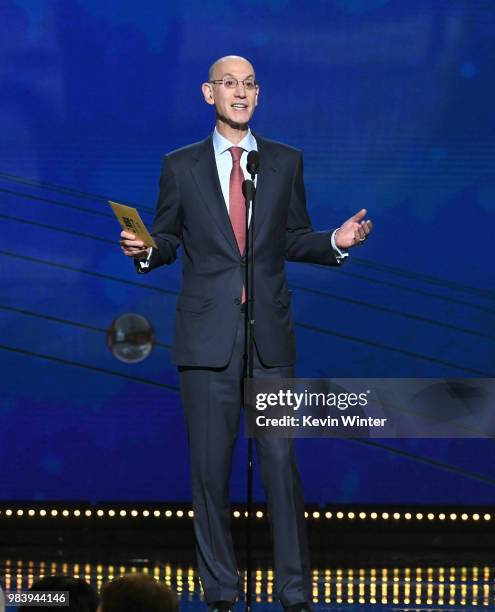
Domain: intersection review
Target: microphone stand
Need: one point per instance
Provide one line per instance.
(249, 191)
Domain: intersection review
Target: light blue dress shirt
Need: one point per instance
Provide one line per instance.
(223, 160)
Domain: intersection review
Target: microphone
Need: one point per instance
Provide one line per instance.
(248, 190)
(253, 163)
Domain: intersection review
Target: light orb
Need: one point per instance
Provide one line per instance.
(131, 338)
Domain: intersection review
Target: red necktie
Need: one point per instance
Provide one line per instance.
(237, 203)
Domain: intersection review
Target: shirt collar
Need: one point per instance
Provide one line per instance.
(221, 144)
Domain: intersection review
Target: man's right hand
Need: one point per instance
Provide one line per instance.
(132, 247)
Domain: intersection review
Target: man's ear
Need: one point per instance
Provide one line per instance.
(207, 90)
(257, 94)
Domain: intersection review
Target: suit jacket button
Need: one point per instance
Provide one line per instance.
(237, 301)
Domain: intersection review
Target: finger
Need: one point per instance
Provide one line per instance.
(360, 236)
(137, 244)
(366, 227)
(134, 253)
(359, 215)
(128, 235)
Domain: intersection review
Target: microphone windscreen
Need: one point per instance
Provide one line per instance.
(247, 189)
(253, 162)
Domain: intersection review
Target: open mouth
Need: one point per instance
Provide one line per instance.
(239, 106)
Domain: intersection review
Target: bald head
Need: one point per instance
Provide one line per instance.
(233, 91)
(221, 65)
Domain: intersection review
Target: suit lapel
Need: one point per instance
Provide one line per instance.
(265, 183)
(206, 176)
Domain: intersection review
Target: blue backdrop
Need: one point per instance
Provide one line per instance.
(392, 103)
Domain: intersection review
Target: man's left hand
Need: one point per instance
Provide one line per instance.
(354, 231)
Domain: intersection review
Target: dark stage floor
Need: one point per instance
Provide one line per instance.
(451, 583)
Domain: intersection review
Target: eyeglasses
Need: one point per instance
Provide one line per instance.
(231, 83)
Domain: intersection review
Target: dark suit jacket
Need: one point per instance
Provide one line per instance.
(191, 211)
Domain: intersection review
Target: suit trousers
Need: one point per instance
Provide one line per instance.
(212, 399)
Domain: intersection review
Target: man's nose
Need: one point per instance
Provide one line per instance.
(240, 90)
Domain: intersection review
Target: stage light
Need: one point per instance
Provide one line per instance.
(77, 513)
(180, 513)
(111, 513)
(156, 513)
(476, 517)
(130, 338)
(168, 513)
(8, 512)
(146, 513)
(31, 512)
(100, 513)
(396, 516)
(316, 515)
(351, 515)
(328, 515)
(487, 517)
(442, 516)
(190, 514)
(385, 515)
(87, 513)
(259, 514)
(453, 516)
(464, 517)
(419, 516)
(374, 515)
(237, 514)
(123, 513)
(340, 515)
(20, 512)
(54, 512)
(430, 516)
(408, 516)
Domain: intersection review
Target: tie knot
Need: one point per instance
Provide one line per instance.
(236, 153)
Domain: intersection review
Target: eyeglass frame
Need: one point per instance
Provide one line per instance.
(237, 81)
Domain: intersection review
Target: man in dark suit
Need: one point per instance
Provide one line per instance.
(201, 206)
